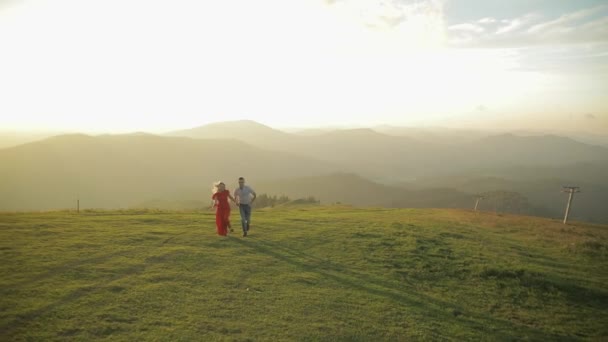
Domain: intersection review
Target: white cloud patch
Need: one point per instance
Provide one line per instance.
(584, 26)
(392, 24)
(388, 14)
(467, 27)
(488, 20)
(510, 26)
(565, 21)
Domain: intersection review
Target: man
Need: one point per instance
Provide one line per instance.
(245, 196)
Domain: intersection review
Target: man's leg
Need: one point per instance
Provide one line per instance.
(242, 211)
(248, 216)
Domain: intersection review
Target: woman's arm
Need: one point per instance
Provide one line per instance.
(231, 198)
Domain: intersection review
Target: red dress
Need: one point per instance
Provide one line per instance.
(222, 212)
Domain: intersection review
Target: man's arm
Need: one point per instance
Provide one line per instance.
(254, 196)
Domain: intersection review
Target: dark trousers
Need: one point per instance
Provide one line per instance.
(245, 210)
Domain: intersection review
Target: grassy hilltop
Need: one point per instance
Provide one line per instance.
(305, 273)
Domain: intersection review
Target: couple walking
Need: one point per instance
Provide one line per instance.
(244, 196)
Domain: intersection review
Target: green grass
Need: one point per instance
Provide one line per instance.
(305, 273)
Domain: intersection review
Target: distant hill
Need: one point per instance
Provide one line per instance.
(541, 185)
(589, 205)
(12, 138)
(435, 135)
(366, 151)
(394, 153)
(115, 171)
(380, 156)
(547, 149)
(310, 131)
(248, 131)
(352, 189)
(345, 165)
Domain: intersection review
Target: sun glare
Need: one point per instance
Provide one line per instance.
(125, 65)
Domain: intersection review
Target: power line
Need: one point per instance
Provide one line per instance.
(477, 199)
(570, 190)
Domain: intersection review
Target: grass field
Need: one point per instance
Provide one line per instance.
(306, 274)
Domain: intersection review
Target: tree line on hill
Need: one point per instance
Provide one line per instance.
(265, 201)
(262, 201)
(505, 202)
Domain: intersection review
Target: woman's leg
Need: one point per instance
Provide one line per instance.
(228, 224)
(219, 222)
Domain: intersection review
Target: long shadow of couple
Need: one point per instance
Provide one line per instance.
(403, 293)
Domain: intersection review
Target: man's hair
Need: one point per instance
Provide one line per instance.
(241, 178)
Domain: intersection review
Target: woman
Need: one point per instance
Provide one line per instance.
(222, 208)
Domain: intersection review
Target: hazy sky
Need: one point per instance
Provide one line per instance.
(122, 65)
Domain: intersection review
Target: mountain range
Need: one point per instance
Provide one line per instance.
(382, 156)
(363, 166)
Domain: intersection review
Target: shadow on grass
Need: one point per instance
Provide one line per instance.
(540, 282)
(68, 266)
(22, 320)
(404, 294)
(55, 270)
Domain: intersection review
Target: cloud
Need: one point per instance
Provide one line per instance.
(512, 25)
(467, 27)
(589, 25)
(397, 24)
(564, 20)
(487, 20)
(389, 13)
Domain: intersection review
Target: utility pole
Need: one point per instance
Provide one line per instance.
(570, 190)
(477, 199)
(78, 204)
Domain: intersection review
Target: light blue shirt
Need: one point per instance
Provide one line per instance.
(244, 195)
